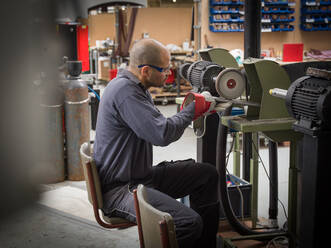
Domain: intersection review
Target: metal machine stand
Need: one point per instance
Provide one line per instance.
(273, 120)
(315, 192)
(308, 100)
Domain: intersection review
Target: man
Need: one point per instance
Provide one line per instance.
(128, 126)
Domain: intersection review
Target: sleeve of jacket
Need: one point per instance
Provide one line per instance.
(149, 124)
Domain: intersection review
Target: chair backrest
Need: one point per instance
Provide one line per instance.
(158, 229)
(91, 175)
(94, 190)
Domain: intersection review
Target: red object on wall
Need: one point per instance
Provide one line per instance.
(292, 52)
(82, 47)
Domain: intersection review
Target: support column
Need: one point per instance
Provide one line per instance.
(273, 182)
(255, 177)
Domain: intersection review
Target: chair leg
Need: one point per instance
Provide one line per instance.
(164, 234)
(140, 230)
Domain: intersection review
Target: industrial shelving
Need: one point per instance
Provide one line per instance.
(315, 15)
(228, 15)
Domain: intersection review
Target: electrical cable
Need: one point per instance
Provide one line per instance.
(235, 183)
(221, 167)
(242, 202)
(204, 128)
(96, 94)
(278, 242)
(265, 170)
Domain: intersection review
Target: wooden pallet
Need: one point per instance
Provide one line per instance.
(166, 97)
(159, 95)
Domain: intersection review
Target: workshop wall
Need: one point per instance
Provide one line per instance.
(317, 39)
(168, 25)
(173, 25)
(101, 27)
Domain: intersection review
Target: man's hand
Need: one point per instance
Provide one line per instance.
(204, 103)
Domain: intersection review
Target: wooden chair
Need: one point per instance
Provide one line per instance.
(156, 228)
(94, 191)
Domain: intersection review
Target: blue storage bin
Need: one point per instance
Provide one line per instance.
(235, 198)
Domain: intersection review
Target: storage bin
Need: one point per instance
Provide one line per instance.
(235, 198)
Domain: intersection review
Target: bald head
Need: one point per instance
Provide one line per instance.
(147, 51)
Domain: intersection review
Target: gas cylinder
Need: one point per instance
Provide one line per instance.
(77, 121)
(52, 165)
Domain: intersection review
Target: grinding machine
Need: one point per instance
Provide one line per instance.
(308, 100)
(249, 88)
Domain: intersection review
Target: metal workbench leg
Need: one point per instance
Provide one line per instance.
(236, 154)
(247, 155)
(273, 182)
(254, 176)
(292, 196)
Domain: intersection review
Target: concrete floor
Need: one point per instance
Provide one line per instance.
(63, 216)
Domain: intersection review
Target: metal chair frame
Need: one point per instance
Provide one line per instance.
(94, 196)
(164, 231)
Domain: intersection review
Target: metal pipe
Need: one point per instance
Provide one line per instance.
(252, 29)
(117, 28)
(252, 48)
(273, 182)
(197, 27)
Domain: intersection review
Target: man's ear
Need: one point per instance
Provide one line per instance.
(145, 71)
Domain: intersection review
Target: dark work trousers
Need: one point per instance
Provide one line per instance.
(197, 225)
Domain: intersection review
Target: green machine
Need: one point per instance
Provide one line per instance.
(264, 114)
(272, 119)
(219, 56)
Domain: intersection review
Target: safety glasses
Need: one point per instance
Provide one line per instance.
(160, 69)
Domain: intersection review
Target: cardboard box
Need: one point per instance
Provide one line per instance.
(103, 68)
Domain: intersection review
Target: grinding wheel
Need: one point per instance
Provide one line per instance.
(230, 83)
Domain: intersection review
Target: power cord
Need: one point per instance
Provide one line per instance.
(265, 170)
(235, 183)
(204, 128)
(278, 242)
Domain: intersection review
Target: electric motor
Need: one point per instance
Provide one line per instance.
(183, 70)
(201, 75)
(309, 101)
(218, 80)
